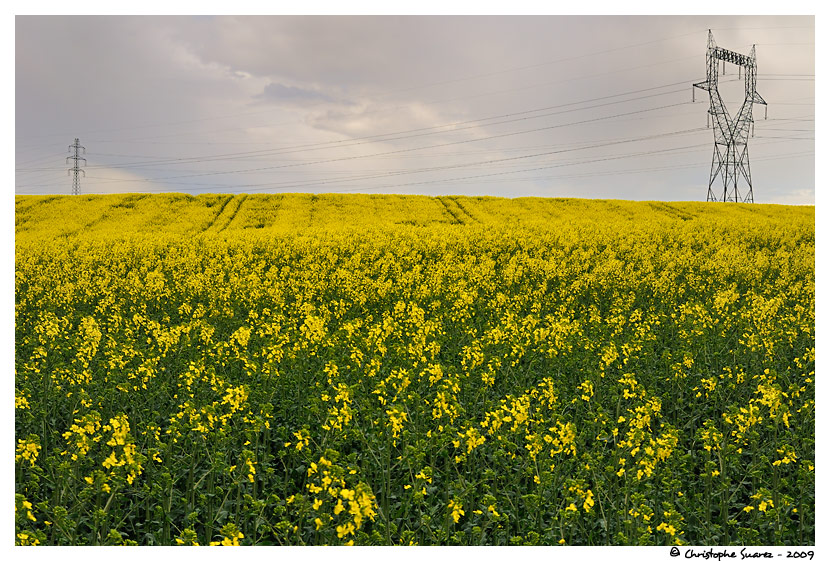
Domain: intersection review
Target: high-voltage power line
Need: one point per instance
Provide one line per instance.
(75, 149)
(730, 160)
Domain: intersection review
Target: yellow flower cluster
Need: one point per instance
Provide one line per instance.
(28, 449)
(396, 420)
(456, 510)
(230, 536)
(126, 456)
(83, 434)
(336, 502)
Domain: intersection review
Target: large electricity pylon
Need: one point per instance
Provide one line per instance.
(730, 160)
(75, 149)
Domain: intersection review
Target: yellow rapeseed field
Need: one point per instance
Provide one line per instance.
(368, 370)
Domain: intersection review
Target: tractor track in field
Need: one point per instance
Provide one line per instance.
(450, 211)
(464, 210)
(235, 212)
(218, 214)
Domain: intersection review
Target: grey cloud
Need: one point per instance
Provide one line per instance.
(281, 92)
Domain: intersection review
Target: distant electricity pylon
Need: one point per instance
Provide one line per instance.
(730, 160)
(75, 149)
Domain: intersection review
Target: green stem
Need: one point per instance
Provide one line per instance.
(387, 484)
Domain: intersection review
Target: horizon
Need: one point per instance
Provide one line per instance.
(324, 193)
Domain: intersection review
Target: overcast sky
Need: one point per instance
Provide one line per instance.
(554, 106)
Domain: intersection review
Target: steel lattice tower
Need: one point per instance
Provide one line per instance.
(75, 149)
(730, 160)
